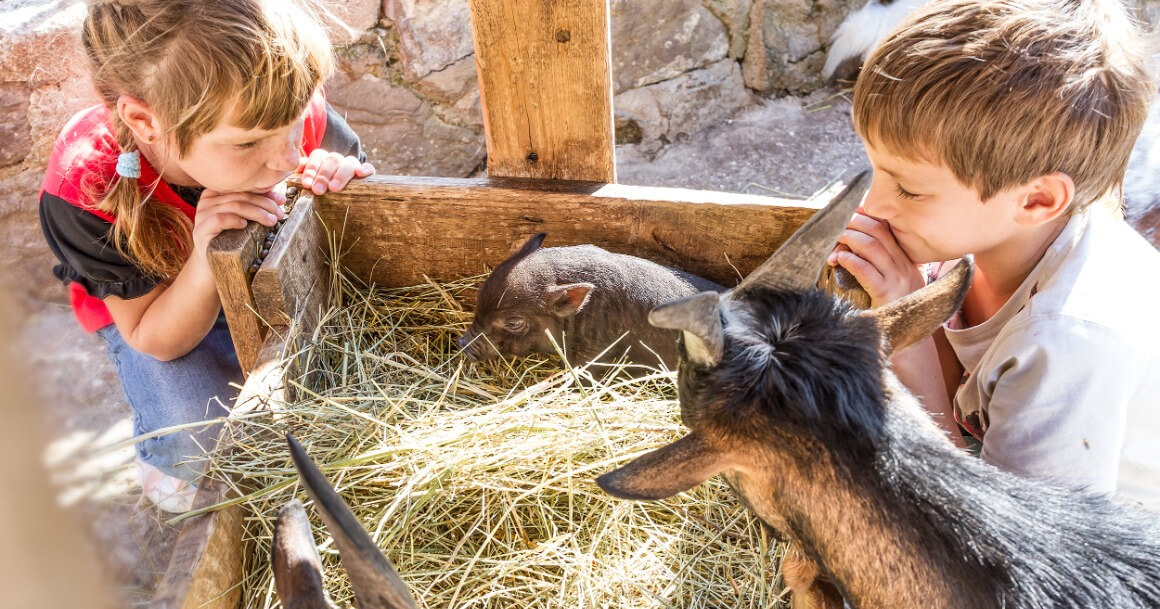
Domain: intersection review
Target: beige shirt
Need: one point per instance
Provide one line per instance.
(1063, 383)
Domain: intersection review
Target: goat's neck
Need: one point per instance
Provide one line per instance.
(848, 524)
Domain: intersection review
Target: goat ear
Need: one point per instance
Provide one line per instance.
(375, 583)
(666, 471)
(918, 314)
(294, 558)
(797, 264)
(565, 300)
(698, 317)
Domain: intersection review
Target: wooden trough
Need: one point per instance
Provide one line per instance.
(546, 93)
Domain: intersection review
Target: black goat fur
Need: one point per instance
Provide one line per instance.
(802, 368)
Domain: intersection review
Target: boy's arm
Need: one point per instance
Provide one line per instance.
(921, 368)
(1057, 396)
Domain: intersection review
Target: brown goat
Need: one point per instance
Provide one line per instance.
(788, 395)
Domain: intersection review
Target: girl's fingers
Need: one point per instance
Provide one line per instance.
(325, 173)
(364, 170)
(343, 173)
(265, 202)
(309, 166)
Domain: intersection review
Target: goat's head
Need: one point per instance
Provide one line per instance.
(776, 360)
(297, 567)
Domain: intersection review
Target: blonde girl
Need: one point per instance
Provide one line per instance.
(207, 107)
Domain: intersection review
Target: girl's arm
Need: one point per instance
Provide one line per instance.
(176, 316)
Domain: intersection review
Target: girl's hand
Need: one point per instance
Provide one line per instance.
(869, 251)
(323, 171)
(218, 211)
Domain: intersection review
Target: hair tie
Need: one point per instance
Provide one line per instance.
(129, 164)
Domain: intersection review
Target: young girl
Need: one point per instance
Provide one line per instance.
(207, 107)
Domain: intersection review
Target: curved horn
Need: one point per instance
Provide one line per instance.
(698, 317)
(294, 558)
(918, 314)
(375, 583)
(797, 264)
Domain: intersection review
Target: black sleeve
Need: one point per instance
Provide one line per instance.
(82, 243)
(339, 137)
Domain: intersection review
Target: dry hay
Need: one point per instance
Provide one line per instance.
(477, 481)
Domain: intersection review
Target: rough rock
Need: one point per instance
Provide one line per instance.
(787, 41)
(656, 40)
(674, 109)
(433, 34)
(15, 131)
(401, 133)
(357, 15)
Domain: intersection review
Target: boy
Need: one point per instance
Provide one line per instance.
(1002, 128)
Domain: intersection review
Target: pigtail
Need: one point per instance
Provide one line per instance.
(255, 63)
(145, 231)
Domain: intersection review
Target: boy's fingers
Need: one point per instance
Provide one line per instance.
(867, 247)
(881, 231)
(364, 170)
(866, 274)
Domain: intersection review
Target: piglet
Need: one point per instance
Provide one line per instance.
(586, 297)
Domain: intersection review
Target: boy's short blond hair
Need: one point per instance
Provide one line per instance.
(1003, 91)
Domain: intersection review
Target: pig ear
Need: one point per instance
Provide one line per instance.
(565, 300)
(667, 471)
(530, 245)
(918, 314)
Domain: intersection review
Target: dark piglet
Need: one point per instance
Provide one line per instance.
(585, 296)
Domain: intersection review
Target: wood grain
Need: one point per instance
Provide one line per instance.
(206, 566)
(545, 85)
(230, 255)
(293, 283)
(394, 230)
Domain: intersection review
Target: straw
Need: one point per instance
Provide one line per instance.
(477, 480)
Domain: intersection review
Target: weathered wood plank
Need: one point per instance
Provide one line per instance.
(230, 255)
(545, 85)
(293, 283)
(396, 229)
(207, 561)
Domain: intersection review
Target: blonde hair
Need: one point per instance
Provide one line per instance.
(1004, 91)
(193, 62)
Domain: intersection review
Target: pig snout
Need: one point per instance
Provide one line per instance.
(475, 347)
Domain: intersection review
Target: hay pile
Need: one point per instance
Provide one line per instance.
(477, 481)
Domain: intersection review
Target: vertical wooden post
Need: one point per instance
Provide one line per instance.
(545, 83)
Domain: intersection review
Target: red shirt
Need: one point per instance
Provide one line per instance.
(84, 161)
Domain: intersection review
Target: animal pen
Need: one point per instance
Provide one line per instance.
(546, 94)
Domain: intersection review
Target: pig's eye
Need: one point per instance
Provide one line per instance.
(515, 325)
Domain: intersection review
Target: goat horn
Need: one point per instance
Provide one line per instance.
(918, 314)
(699, 319)
(297, 566)
(797, 264)
(375, 583)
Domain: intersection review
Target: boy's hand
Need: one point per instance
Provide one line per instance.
(869, 251)
(324, 171)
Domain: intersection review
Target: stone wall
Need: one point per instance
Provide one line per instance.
(407, 84)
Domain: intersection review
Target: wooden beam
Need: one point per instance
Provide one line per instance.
(394, 230)
(230, 255)
(545, 84)
(205, 571)
(293, 283)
